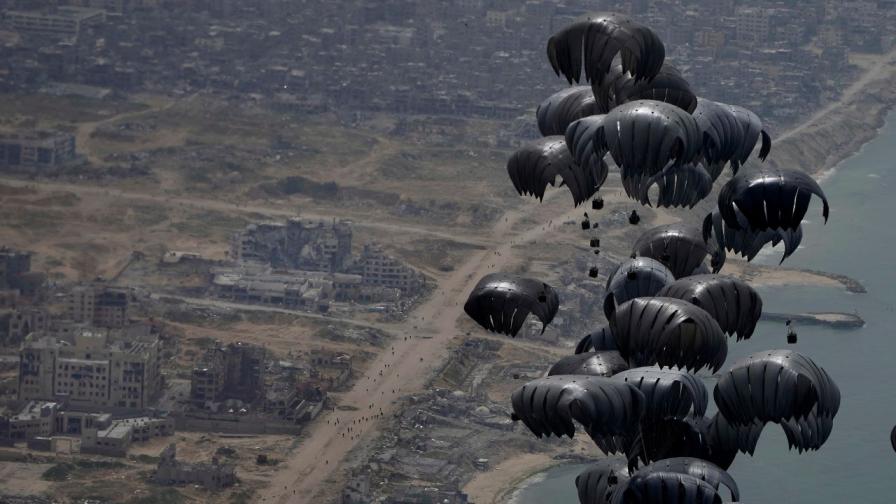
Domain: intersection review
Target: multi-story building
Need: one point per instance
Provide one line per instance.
(101, 306)
(36, 148)
(234, 371)
(16, 274)
(24, 321)
(62, 21)
(753, 25)
(298, 244)
(36, 418)
(385, 271)
(100, 369)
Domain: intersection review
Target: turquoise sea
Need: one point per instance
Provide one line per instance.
(857, 464)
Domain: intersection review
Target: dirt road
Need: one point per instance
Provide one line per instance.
(398, 371)
(226, 206)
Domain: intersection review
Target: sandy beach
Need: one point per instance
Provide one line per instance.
(493, 486)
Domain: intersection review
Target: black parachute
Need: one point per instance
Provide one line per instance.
(608, 410)
(501, 302)
(601, 339)
(780, 386)
(667, 488)
(604, 363)
(674, 400)
(670, 147)
(638, 277)
(769, 198)
(745, 242)
(670, 393)
(751, 126)
(680, 247)
(723, 135)
(724, 440)
(620, 87)
(677, 186)
(666, 332)
(556, 113)
(646, 136)
(703, 470)
(596, 484)
(707, 438)
(538, 164)
(579, 138)
(597, 41)
(732, 302)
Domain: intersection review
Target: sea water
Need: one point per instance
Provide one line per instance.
(857, 464)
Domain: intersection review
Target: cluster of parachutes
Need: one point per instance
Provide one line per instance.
(660, 134)
(631, 385)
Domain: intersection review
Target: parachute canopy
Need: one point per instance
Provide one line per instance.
(769, 198)
(536, 165)
(500, 302)
(680, 247)
(608, 410)
(638, 277)
(732, 302)
(556, 113)
(597, 41)
(606, 363)
(667, 332)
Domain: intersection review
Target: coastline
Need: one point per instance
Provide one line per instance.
(818, 146)
(496, 485)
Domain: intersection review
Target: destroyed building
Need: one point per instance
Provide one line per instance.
(63, 21)
(298, 244)
(330, 370)
(230, 372)
(306, 290)
(100, 306)
(306, 264)
(24, 321)
(213, 476)
(16, 275)
(383, 270)
(36, 148)
(40, 422)
(97, 368)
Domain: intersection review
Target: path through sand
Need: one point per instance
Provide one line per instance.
(398, 371)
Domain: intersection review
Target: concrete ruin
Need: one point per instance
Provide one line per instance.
(233, 371)
(310, 263)
(297, 244)
(17, 278)
(99, 305)
(36, 148)
(40, 422)
(213, 476)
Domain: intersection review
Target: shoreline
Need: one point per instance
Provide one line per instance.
(819, 138)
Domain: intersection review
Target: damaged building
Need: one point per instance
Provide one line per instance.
(308, 264)
(35, 149)
(98, 305)
(16, 276)
(213, 476)
(41, 423)
(97, 368)
(297, 244)
(230, 372)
